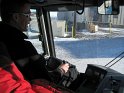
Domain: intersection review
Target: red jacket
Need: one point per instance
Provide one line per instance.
(12, 81)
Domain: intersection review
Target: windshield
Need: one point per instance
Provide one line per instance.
(89, 38)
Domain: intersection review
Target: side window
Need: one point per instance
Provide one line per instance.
(33, 32)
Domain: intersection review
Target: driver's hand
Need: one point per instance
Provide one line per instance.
(64, 67)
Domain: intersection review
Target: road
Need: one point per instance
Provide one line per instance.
(97, 51)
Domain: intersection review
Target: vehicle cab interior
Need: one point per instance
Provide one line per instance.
(98, 78)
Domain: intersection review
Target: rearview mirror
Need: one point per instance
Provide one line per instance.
(110, 7)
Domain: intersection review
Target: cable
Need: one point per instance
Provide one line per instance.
(82, 8)
(115, 59)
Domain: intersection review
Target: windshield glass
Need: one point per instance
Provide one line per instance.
(89, 38)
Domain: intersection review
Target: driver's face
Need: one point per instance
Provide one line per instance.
(23, 17)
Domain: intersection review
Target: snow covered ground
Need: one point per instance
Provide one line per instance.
(83, 52)
(92, 50)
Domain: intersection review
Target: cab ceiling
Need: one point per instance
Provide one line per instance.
(88, 3)
(68, 5)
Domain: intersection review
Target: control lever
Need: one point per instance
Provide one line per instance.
(115, 84)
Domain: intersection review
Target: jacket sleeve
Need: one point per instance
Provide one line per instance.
(9, 83)
(11, 79)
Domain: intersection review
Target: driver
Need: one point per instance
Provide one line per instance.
(15, 17)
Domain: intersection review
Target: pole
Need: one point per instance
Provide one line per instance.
(74, 24)
(66, 30)
(72, 31)
(110, 25)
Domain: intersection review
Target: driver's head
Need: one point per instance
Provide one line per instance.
(16, 13)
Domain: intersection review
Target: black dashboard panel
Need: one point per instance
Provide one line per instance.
(100, 78)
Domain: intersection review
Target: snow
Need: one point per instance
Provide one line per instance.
(82, 51)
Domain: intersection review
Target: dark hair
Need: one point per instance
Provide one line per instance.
(10, 6)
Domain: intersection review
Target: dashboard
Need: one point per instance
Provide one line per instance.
(100, 79)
